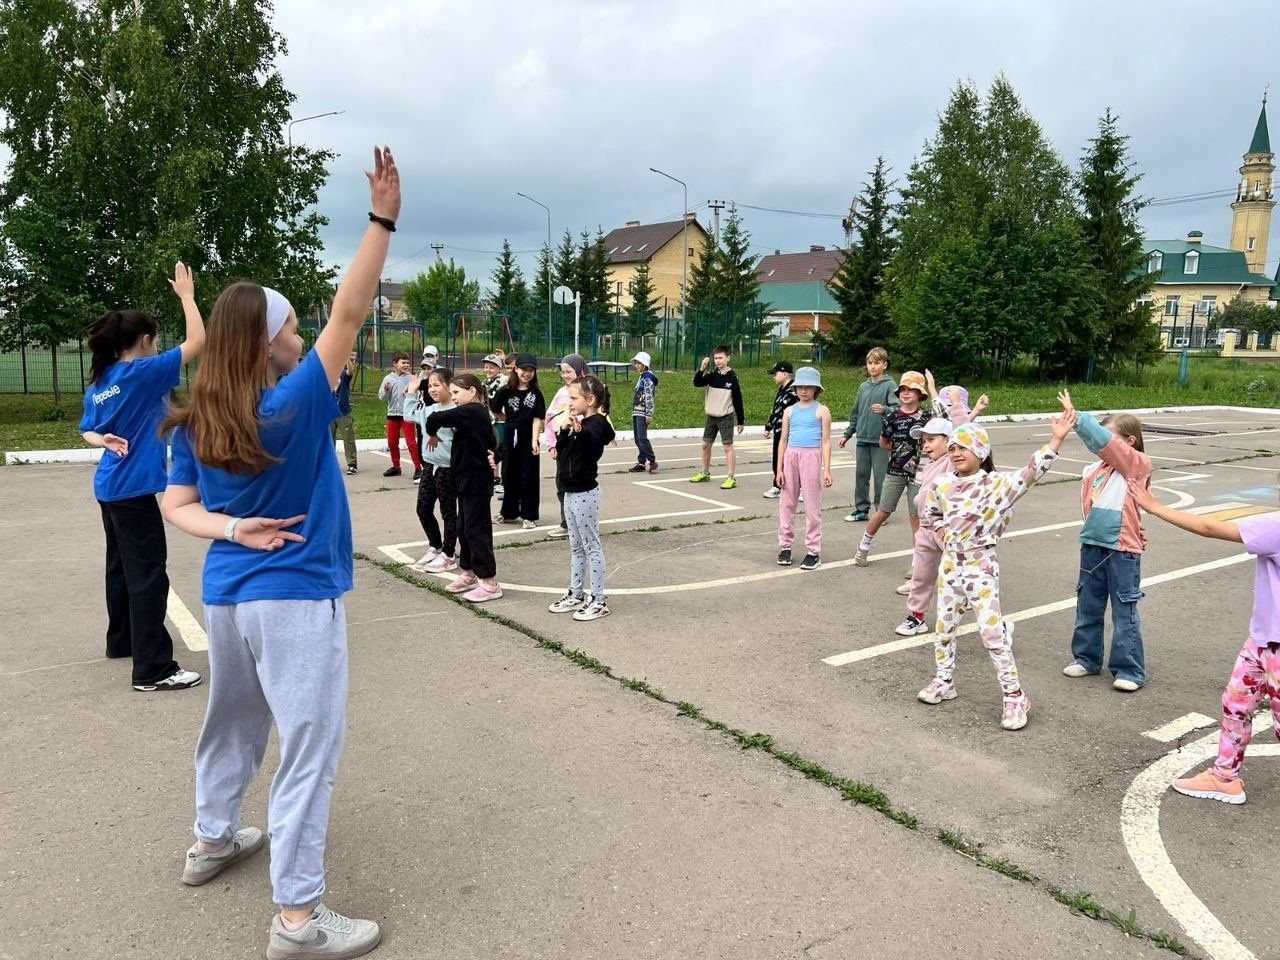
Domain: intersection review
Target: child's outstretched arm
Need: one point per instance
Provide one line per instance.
(1200, 526)
(1042, 460)
(1109, 448)
(184, 286)
(351, 302)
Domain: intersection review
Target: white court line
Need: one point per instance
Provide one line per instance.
(1140, 827)
(1175, 729)
(908, 643)
(192, 633)
(403, 616)
(53, 666)
(1184, 477)
(1241, 466)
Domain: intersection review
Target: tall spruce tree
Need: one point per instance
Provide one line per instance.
(737, 288)
(591, 277)
(1124, 334)
(510, 293)
(642, 315)
(858, 281)
(991, 263)
(534, 321)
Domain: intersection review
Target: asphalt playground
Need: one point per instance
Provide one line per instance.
(502, 795)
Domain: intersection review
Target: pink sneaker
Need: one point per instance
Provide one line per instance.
(462, 582)
(1207, 786)
(483, 592)
(1014, 714)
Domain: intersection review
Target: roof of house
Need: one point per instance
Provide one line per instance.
(1217, 264)
(815, 265)
(808, 297)
(1261, 142)
(392, 290)
(634, 244)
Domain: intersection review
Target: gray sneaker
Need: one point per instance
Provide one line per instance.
(326, 936)
(203, 867)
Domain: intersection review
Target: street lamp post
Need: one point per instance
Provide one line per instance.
(548, 209)
(316, 116)
(684, 238)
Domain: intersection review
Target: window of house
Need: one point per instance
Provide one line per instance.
(613, 251)
(1208, 306)
(1145, 299)
(1155, 262)
(1253, 242)
(769, 274)
(1171, 305)
(1191, 263)
(626, 248)
(691, 253)
(640, 249)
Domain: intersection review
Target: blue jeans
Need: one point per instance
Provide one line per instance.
(1115, 575)
(640, 432)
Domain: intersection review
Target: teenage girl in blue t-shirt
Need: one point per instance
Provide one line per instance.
(254, 471)
(123, 406)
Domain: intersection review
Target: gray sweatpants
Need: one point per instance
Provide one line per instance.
(287, 660)
(582, 514)
(871, 464)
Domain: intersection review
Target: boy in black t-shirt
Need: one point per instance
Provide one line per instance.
(904, 457)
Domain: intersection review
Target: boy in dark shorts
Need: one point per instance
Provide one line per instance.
(723, 405)
(904, 458)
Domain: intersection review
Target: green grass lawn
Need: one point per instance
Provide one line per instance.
(36, 423)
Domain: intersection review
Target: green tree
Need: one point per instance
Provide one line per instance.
(142, 133)
(591, 278)
(435, 296)
(510, 292)
(858, 281)
(1240, 314)
(534, 321)
(703, 276)
(1124, 333)
(642, 316)
(564, 268)
(736, 290)
(988, 204)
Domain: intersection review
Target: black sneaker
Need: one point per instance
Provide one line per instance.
(811, 562)
(784, 558)
(352, 471)
(417, 474)
(391, 472)
(178, 680)
(638, 468)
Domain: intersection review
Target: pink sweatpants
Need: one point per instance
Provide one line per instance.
(924, 572)
(1255, 675)
(802, 470)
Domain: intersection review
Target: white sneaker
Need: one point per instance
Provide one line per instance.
(558, 533)
(442, 563)
(937, 691)
(567, 604)
(903, 589)
(325, 934)
(1075, 669)
(593, 610)
(1014, 714)
(424, 561)
(178, 680)
(773, 493)
(528, 525)
(1124, 686)
(911, 627)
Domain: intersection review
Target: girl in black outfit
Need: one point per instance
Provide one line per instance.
(522, 403)
(472, 461)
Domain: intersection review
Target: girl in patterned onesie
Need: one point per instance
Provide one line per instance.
(970, 510)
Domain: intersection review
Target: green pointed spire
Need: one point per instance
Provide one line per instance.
(1261, 142)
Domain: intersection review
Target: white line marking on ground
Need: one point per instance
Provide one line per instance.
(53, 666)
(1140, 827)
(1174, 729)
(908, 643)
(1241, 466)
(403, 616)
(189, 628)
(1183, 476)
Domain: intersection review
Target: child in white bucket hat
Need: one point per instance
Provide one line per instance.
(804, 457)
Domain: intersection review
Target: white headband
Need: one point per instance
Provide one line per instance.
(278, 309)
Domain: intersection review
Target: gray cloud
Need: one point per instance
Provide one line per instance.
(764, 103)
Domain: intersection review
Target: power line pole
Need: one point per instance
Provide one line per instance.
(716, 206)
(849, 223)
(437, 247)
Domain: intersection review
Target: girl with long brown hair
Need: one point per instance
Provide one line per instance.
(254, 471)
(129, 383)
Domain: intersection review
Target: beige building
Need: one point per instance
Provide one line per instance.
(1198, 280)
(664, 247)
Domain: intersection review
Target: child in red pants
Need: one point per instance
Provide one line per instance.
(394, 386)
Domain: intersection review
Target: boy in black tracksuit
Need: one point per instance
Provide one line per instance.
(785, 397)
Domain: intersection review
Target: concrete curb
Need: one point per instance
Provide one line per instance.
(92, 455)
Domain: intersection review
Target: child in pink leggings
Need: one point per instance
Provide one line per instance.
(1257, 669)
(804, 467)
(927, 555)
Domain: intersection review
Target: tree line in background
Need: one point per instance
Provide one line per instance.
(996, 251)
(139, 134)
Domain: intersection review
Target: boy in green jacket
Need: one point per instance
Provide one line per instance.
(875, 398)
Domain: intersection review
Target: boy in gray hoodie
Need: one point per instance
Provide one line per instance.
(875, 398)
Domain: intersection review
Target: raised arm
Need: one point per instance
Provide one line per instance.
(184, 286)
(351, 302)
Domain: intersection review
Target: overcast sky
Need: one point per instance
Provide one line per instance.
(782, 105)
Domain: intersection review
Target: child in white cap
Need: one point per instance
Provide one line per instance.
(970, 510)
(804, 457)
(642, 404)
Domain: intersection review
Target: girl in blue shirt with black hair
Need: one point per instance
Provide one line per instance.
(129, 384)
(254, 471)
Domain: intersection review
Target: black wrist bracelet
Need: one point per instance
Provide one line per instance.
(390, 225)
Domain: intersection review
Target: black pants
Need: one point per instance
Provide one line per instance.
(437, 486)
(519, 476)
(475, 534)
(137, 587)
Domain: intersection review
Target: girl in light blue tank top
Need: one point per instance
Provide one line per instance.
(806, 428)
(804, 467)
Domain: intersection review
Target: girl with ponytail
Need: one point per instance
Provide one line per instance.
(129, 383)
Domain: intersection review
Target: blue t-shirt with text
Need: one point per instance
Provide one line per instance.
(294, 419)
(129, 400)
